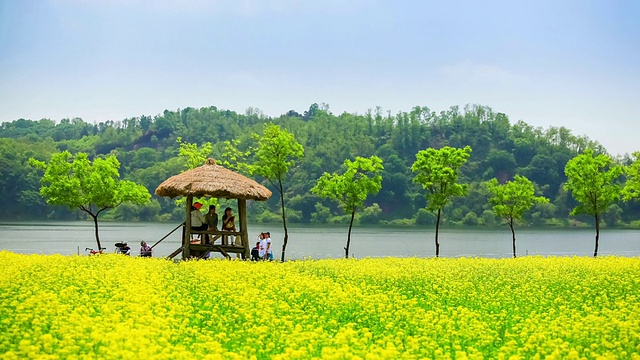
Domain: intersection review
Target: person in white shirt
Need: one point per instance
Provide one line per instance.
(198, 222)
(268, 249)
(263, 244)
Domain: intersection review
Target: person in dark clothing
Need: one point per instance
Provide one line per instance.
(212, 221)
(255, 252)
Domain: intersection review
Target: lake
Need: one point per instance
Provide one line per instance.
(328, 241)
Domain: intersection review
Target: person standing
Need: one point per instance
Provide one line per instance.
(261, 244)
(211, 219)
(268, 248)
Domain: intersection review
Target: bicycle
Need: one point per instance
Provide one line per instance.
(95, 252)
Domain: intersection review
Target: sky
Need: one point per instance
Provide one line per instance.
(572, 63)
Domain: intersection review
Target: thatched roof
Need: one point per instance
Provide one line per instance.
(215, 181)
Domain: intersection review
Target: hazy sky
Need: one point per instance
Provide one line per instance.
(561, 63)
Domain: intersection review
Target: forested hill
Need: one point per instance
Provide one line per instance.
(147, 149)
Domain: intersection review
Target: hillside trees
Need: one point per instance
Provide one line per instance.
(147, 149)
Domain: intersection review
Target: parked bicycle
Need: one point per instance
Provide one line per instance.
(95, 252)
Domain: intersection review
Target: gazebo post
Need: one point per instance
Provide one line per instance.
(244, 232)
(186, 242)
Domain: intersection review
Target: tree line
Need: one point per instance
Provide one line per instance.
(148, 153)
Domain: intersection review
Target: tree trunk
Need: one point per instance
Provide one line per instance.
(437, 230)
(513, 234)
(284, 221)
(95, 224)
(595, 252)
(346, 250)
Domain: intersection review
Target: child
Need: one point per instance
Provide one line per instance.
(255, 252)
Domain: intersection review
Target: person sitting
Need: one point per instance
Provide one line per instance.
(228, 223)
(125, 248)
(145, 249)
(198, 222)
(211, 219)
(255, 252)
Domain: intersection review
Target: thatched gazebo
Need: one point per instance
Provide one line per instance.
(212, 180)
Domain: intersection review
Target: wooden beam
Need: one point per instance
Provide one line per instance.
(244, 232)
(187, 230)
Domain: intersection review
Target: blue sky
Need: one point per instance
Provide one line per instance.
(560, 63)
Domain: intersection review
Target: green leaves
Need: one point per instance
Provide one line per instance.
(437, 172)
(92, 187)
(592, 181)
(631, 188)
(193, 155)
(350, 189)
(513, 198)
(276, 152)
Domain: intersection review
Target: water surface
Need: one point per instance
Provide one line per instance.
(328, 241)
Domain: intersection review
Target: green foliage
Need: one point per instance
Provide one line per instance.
(424, 217)
(321, 215)
(488, 218)
(275, 153)
(592, 181)
(192, 155)
(371, 214)
(148, 151)
(513, 198)
(437, 172)
(350, 189)
(93, 187)
(471, 219)
(631, 188)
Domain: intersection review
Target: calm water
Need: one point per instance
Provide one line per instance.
(326, 242)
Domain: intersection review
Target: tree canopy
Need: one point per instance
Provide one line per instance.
(275, 154)
(147, 149)
(512, 199)
(437, 171)
(350, 189)
(93, 187)
(591, 179)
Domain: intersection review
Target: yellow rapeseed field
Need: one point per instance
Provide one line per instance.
(112, 306)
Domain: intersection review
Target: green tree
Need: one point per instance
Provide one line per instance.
(592, 181)
(93, 187)
(512, 199)
(274, 156)
(194, 156)
(437, 172)
(631, 188)
(351, 188)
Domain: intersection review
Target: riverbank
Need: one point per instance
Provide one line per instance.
(114, 306)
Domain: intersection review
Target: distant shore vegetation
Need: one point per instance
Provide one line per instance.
(148, 152)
